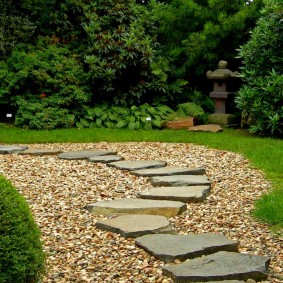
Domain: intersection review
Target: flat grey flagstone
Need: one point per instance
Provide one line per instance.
(171, 247)
(131, 226)
(84, 154)
(219, 266)
(43, 151)
(137, 206)
(137, 164)
(8, 149)
(168, 171)
(180, 181)
(105, 158)
(184, 194)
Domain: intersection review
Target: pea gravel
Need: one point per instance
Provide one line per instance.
(57, 191)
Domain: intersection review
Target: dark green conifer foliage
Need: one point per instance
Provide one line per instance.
(196, 34)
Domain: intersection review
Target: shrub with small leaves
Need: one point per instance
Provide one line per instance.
(43, 81)
(21, 253)
(40, 116)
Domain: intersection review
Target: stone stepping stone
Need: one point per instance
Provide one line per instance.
(137, 206)
(105, 158)
(186, 194)
(180, 181)
(8, 149)
(84, 154)
(137, 164)
(132, 226)
(168, 171)
(171, 247)
(219, 266)
(43, 151)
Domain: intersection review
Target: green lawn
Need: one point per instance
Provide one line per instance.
(263, 153)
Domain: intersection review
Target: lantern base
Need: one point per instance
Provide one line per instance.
(227, 120)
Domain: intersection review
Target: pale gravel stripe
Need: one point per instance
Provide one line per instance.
(57, 190)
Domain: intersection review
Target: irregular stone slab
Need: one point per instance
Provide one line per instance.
(8, 149)
(84, 154)
(169, 171)
(43, 151)
(180, 181)
(132, 226)
(171, 247)
(137, 164)
(184, 194)
(137, 206)
(219, 266)
(213, 128)
(105, 158)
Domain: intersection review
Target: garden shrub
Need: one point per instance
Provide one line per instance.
(122, 54)
(21, 254)
(40, 116)
(261, 97)
(45, 78)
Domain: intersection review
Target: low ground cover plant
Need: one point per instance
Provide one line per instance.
(21, 253)
(134, 118)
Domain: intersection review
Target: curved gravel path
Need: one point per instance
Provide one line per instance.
(57, 191)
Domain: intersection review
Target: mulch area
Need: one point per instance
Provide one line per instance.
(57, 191)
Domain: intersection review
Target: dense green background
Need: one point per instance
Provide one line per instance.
(61, 60)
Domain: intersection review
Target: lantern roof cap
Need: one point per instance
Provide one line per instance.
(222, 73)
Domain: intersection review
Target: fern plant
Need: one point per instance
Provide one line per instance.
(188, 109)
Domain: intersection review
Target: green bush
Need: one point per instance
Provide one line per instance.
(40, 116)
(21, 254)
(42, 80)
(133, 118)
(261, 97)
(122, 54)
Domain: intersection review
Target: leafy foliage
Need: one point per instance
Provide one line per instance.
(126, 53)
(186, 110)
(39, 116)
(133, 118)
(43, 80)
(21, 254)
(15, 27)
(122, 55)
(195, 35)
(261, 98)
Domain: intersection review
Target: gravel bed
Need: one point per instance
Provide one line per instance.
(57, 191)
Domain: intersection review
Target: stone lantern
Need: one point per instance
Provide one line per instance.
(220, 94)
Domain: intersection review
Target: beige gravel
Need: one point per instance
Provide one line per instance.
(57, 191)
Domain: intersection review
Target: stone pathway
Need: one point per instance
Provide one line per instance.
(193, 258)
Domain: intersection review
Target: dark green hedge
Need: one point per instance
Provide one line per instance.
(21, 253)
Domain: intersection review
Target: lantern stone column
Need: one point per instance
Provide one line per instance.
(221, 96)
